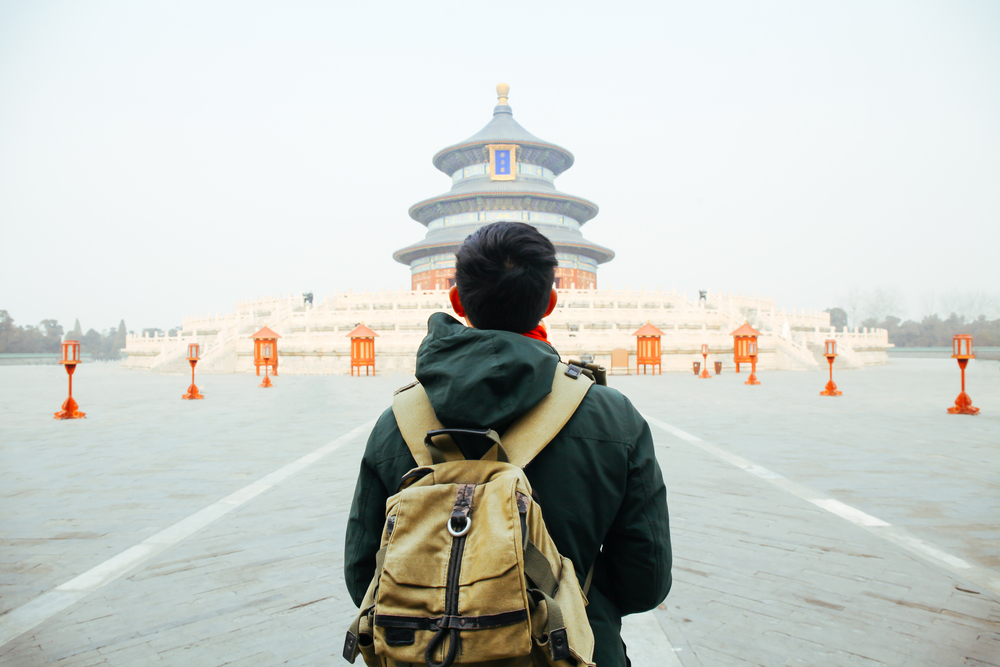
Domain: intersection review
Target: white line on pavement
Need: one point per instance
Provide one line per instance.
(853, 515)
(47, 605)
(894, 534)
(646, 642)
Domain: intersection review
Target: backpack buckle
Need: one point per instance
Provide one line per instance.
(573, 371)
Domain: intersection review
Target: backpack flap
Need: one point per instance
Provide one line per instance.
(523, 440)
(448, 451)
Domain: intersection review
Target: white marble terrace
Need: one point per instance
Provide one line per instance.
(587, 321)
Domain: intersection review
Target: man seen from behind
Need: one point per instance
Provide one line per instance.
(598, 481)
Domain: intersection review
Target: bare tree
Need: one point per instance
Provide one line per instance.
(883, 302)
(971, 304)
(979, 302)
(929, 304)
(854, 304)
(992, 309)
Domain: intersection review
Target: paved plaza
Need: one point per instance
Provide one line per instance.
(860, 530)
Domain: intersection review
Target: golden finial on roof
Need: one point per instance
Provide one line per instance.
(502, 90)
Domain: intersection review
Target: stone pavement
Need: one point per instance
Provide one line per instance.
(857, 530)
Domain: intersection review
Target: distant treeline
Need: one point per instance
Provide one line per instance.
(932, 331)
(47, 336)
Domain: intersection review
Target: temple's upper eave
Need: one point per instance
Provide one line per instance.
(518, 197)
(503, 129)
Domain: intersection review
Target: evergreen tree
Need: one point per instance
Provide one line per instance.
(119, 342)
(838, 317)
(76, 333)
(8, 332)
(53, 335)
(90, 344)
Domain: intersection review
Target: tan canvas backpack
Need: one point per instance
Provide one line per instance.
(467, 572)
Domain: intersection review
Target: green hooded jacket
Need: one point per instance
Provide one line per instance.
(598, 482)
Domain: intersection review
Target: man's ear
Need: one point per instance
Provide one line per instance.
(553, 298)
(456, 303)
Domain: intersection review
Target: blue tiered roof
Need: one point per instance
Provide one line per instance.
(475, 199)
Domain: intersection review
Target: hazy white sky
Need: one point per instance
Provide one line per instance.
(163, 159)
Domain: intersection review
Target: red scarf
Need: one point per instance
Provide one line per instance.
(538, 333)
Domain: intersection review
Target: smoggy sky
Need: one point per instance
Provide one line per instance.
(163, 159)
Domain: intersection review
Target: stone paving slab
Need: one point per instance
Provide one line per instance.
(762, 577)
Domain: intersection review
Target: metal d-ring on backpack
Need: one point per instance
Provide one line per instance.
(467, 572)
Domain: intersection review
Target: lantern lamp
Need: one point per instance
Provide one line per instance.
(192, 392)
(362, 349)
(742, 339)
(265, 353)
(704, 367)
(830, 352)
(961, 346)
(648, 348)
(70, 358)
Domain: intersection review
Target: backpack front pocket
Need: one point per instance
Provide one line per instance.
(453, 587)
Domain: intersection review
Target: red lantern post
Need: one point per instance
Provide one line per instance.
(265, 353)
(961, 346)
(830, 352)
(192, 392)
(741, 344)
(751, 350)
(362, 349)
(70, 358)
(648, 348)
(704, 367)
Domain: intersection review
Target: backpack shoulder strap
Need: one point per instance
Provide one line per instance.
(414, 417)
(522, 441)
(529, 435)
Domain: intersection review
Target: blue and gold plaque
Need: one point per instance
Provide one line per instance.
(503, 162)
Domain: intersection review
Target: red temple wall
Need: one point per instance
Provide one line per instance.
(436, 279)
(575, 278)
(445, 278)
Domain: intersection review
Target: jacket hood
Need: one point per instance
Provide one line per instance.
(478, 378)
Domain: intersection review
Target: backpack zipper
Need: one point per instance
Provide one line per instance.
(454, 571)
(463, 507)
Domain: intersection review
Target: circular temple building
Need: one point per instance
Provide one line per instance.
(503, 172)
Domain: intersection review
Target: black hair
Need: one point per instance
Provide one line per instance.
(504, 272)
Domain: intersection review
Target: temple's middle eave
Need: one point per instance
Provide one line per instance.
(449, 240)
(524, 200)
